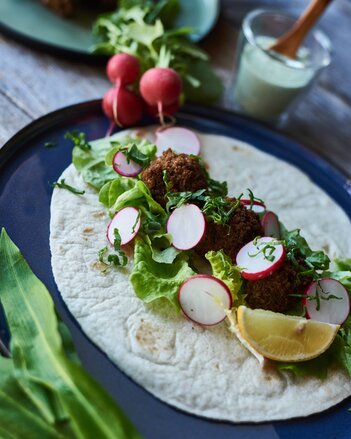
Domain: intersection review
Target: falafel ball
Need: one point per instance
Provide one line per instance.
(184, 173)
(272, 292)
(244, 226)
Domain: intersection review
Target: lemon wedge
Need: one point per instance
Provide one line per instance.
(284, 338)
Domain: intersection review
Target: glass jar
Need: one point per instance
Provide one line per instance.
(268, 84)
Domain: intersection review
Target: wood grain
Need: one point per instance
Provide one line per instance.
(33, 83)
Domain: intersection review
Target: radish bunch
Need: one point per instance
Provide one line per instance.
(160, 90)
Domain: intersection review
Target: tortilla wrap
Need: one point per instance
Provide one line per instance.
(206, 372)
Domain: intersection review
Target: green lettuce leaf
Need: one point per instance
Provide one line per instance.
(224, 269)
(154, 280)
(111, 190)
(140, 197)
(44, 389)
(90, 163)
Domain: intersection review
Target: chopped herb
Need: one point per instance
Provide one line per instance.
(177, 199)
(306, 261)
(118, 259)
(216, 188)
(50, 144)
(78, 139)
(62, 185)
(136, 221)
(219, 209)
(133, 153)
(151, 226)
(253, 198)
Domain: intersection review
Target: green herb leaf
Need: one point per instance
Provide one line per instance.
(62, 185)
(154, 280)
(50, 144)
(79, 140)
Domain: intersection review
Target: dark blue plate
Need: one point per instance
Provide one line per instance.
(26, 170)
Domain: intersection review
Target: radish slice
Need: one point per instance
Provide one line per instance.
(255, 206)
(124, 220)
(181, 140)
(331, 310)
(122, 167)
(252, 258)
(187, 226)
(205, 299)
(270, 225)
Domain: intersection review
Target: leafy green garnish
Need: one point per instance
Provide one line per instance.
(119, 258)
(50, 144)
(90, 163)
(154, 280)
(78, 139)
(224, 269)
(219, 209)
(141, 29)
(63, 185)
(305, 260)
(45, 393)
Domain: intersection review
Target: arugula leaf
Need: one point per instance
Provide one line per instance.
(42, 392)
(63, 185)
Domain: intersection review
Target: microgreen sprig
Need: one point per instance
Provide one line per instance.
(63, 185)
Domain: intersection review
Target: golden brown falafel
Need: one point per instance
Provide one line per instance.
(184, 173)
(272, 292)
(243, 226)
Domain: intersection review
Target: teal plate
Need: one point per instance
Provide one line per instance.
(28, 21)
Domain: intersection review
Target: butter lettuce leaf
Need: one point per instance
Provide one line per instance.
(224, 269)
(111, 190)
(90, 163)
(154, 280)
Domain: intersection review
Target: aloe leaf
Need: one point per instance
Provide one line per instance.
(59, 388)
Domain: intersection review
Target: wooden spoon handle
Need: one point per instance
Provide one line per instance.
(289, 43)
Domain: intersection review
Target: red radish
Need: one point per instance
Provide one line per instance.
(186, 225)
(204, 299)
(260, 258)
(270, 225)
(122, 106)
(160, 85)
(255, 206)
(330, 310)
(123, 69)
(122, 167)
(127, 222)
(168, 110)
(181, 140)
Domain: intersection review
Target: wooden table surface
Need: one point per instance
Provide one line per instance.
(33, 83)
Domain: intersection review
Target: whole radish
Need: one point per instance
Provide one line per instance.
(122, 106)
(161, 87)
(123, 69)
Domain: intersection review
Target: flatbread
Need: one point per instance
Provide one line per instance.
(202, 371)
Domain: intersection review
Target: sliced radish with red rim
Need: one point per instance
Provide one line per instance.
(180, 140)
(187, 226)
(122, 167)
(127, 222)
(204, 299)
(260, 258)
(270, 225)
(333, 305)
(255, 206)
